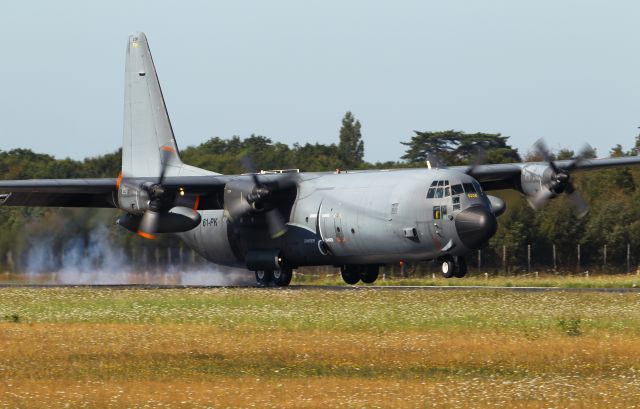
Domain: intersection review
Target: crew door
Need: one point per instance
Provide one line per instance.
(441, 208)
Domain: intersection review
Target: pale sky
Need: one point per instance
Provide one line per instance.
(566, 70)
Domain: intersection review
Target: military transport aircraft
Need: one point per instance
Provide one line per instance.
(272, 222)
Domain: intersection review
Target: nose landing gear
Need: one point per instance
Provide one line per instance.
(453, 267)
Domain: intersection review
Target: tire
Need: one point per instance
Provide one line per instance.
(350, 275)
(448, 268)
(461, 268)
(370, 274)
(263, 277)
(282, 277)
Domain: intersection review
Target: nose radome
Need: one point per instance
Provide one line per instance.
(475, 226)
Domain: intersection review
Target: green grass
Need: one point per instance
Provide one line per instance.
(530, 280)
(221, 347)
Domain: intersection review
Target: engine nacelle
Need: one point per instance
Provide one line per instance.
(178, 219)
(533, 177)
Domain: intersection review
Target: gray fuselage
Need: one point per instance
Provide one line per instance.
(369, 217)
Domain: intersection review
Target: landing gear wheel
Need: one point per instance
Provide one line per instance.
(370, 274)
(350, 275)
(263, 277)
(282, 277)
(461, 267)
(448, 268)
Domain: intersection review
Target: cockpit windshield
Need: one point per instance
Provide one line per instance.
(469, 188)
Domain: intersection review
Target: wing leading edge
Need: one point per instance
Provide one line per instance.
(508, 176)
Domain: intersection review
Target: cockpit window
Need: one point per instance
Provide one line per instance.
(468, 188)
(439, 193)
(477, 186)
(431, 193)
(441, 183)
(434, 183)
(447, 193)
(456, 190)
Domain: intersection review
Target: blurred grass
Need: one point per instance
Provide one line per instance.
(309, 348)
(530, 280)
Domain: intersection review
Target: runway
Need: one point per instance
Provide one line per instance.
(329, 288)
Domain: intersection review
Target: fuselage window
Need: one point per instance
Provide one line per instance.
(456, 190)
(456, 203)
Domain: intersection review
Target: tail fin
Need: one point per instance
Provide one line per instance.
(147, 129)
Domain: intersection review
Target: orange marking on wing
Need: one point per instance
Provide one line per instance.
(146, 235)
(167, 148)
(197, 203)
(119, 181)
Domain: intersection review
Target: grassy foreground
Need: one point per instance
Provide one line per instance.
(525, 280)
(315, 348)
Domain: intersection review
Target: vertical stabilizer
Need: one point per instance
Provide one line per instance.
(147, 129)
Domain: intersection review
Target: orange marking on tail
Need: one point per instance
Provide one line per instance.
(146, 235)
(167, 148)
(197, 203)
(119, 180)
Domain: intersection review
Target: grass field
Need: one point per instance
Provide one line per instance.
(65, 347)
(527, 280)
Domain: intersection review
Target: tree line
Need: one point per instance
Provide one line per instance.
(613, 221)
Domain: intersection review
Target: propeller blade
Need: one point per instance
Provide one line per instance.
(435, 161)
(540, 199)
(581, 157)
(581, 206)
(149, 224)
(237, 207)
(249, 165)
(479, 158)
(276, 224)
(541, 148)
(165, 157)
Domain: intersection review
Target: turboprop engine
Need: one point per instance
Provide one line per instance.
(542, 182)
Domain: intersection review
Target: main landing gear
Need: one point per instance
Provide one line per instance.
(280, 278)
(453, 266)
(351, 274)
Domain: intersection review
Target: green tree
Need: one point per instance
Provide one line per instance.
(351, 146)
(459, 148)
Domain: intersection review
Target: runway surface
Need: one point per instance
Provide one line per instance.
(331, 288)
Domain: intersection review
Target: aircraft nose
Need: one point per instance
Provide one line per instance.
(475, 226)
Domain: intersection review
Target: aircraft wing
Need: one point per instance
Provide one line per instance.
(103, 193)
(509, 176)
(59, 192)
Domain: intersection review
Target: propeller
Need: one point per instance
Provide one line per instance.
(155, 191)
(257, 197)
(479, 158)
(559, 180)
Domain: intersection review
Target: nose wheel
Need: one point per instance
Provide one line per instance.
(453, 267)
